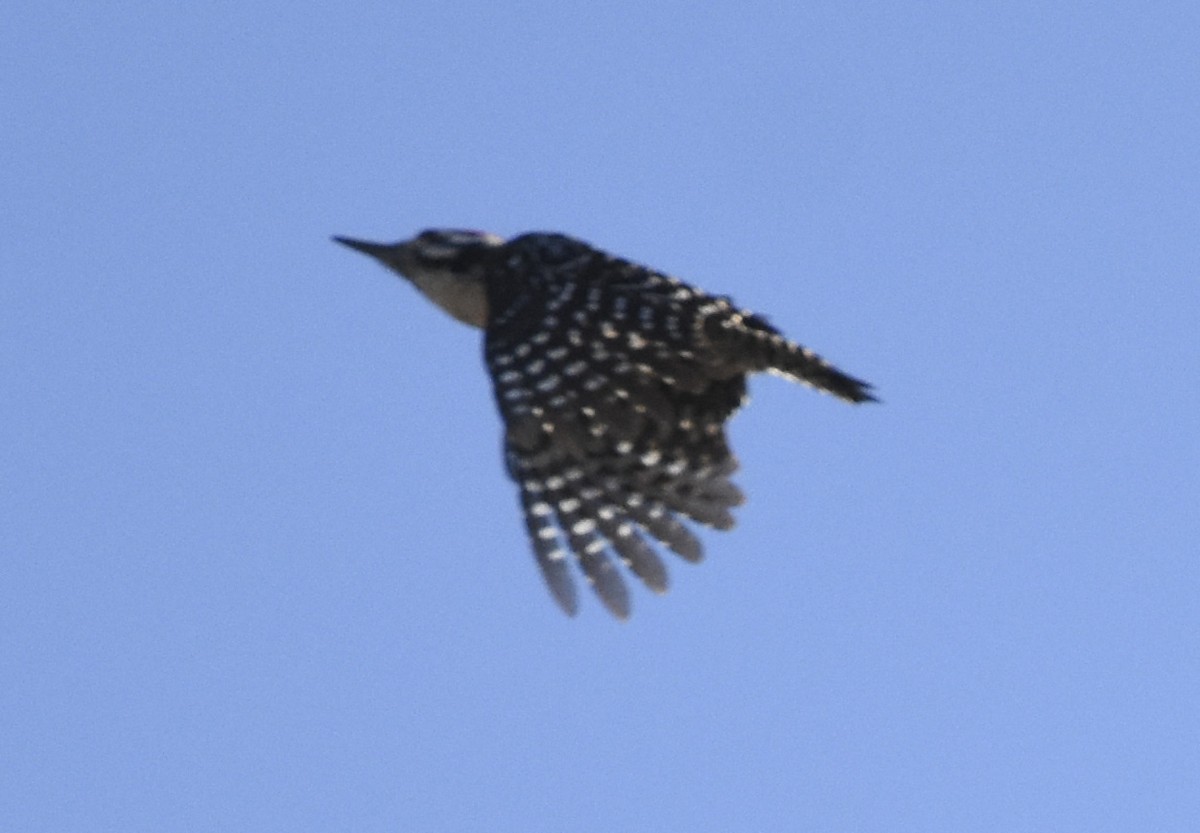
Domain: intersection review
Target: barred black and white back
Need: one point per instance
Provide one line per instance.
(615, 383)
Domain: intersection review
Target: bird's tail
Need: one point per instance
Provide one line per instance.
(746, 342)
(761, 347)
(800, 364)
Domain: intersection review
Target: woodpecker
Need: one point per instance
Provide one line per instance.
(614, 383)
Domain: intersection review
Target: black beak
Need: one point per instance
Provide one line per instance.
(379, 251)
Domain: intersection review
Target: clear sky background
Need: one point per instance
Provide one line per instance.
(262, 569)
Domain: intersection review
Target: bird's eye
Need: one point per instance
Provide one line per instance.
(444, 245)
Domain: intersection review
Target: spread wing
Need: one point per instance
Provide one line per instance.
(614, 423)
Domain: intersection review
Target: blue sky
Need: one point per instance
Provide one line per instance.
(262, 569)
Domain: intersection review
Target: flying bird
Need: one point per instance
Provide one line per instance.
(614, 382)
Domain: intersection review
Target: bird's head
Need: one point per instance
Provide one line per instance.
(447, 265)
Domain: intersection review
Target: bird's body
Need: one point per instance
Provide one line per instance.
(615, 383)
